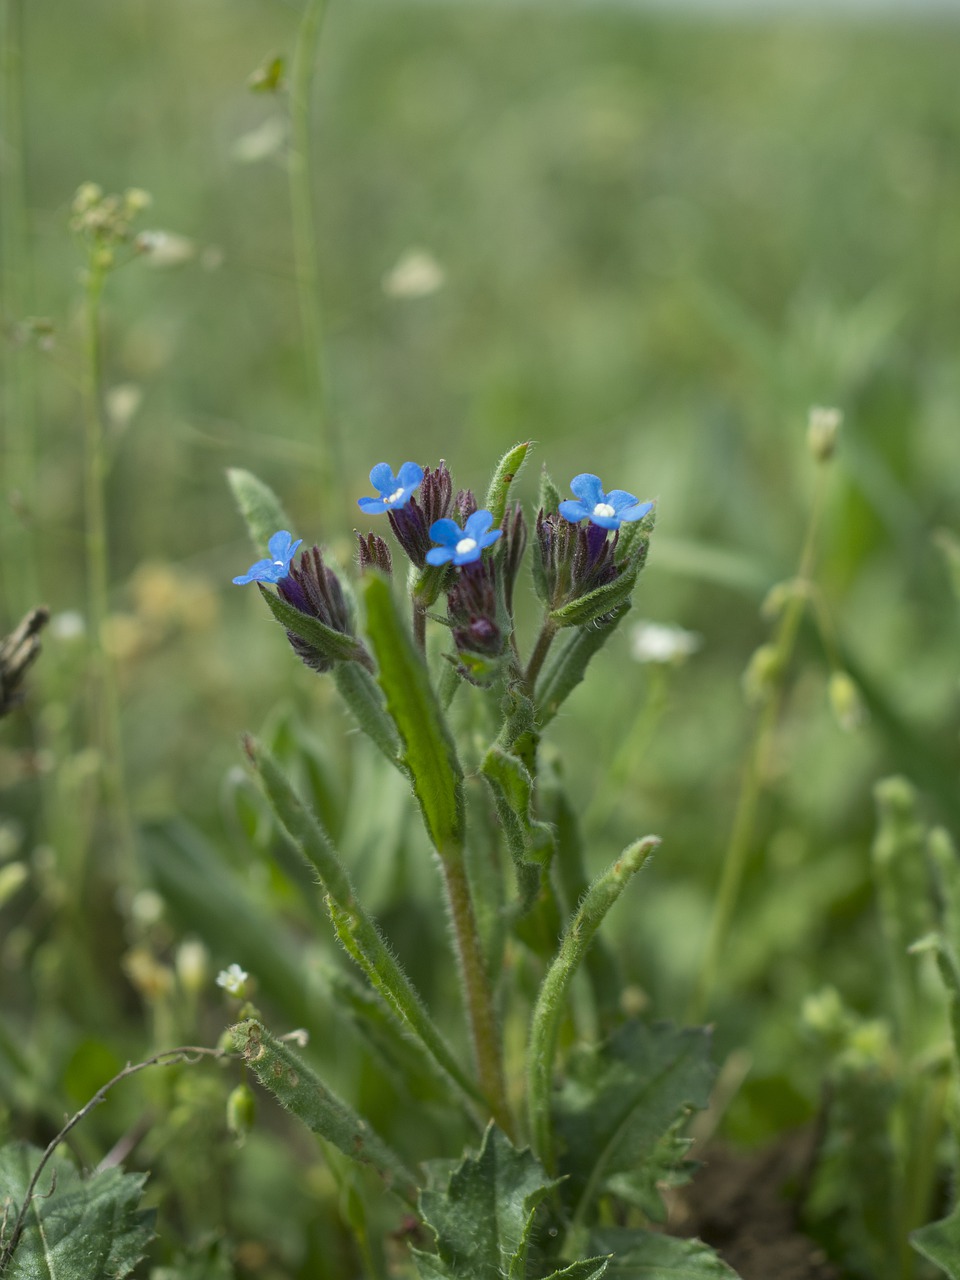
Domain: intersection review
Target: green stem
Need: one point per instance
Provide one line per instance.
(540, 650)
(484, 1024)
(551, 1001)
(420, 626)
(104, 694)
(303, 216)
(19, 488)
(755, 767)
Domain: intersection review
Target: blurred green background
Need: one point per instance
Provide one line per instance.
(647, 241)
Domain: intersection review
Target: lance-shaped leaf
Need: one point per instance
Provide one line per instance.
(551, 1000)
(356, 931)
(531, 842)
(634, 541)
(483, 1220)
(301, 1091)
(595, 604)
(335, 645)
(428, 750)
(566, 668)
(364, 697)
(75, 1228)
(550, 496)
(649, 1255)
(508, 468)
(939, 1243)
(619, 1101)
(259, 506)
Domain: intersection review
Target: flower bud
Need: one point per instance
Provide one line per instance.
(373, 553)
(762, 674)
(241, 1111)
(411, 523)
(192, 964)
(823, 426)
(846, 702)
(315, 590)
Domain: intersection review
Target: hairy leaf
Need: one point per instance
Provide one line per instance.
(484, 1219)
(566, 668)
(648, 1255)
(300, 1090)
(335, 645)
(595, 604)
(429, 753)
(508, 468)
(76, 1228)
(940, 1243)
(620, 1099)
(259, 506)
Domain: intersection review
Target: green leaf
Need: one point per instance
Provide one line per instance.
(551, 1000)
(364, 697)
(483, 1220)
(301, 1091)
(618, 1101)
(428, 750)
(586, 1269)
(335, 645)
(939, 1243)
(508, 468)
(355, 929)
(76, 1228)
(531, 842)
(648, 1255)
(606, 599)
(566, 668)
(259, 506)
(550, 496)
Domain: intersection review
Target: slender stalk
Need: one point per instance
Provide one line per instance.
(303, 217)
(19, 488)
(755, 766)
(551, 1000)
(105, 698)
(482, 1015)
(420, 626)
(540, 650)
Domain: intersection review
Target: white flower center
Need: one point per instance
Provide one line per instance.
(604, 509)
(465, 545)
(395, 496)
(279, 563)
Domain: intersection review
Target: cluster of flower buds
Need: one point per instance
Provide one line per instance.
(445, 536)
(106, 220)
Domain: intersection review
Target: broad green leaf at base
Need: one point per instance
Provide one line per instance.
(76, 1228)
(940, 1243)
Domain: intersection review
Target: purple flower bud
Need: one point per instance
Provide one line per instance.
(315, 590)
(373, 553)
(411, 523)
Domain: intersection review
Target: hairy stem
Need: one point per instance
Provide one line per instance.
(540, 650)
(484, 1024)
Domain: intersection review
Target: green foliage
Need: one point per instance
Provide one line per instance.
(618, 1108)
(644, 1255)
(301, 1091)
(940, 1242)
(429, 753)
(259, 506)
(76, 1228)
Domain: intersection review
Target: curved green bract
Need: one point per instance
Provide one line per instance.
(260, 507)
(428, 750)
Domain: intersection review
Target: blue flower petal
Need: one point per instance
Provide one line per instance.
(629, 514)
(255, 573)
(605, 522)
(446, 531)
(372, 506)
(588, 489)
(439, 555)
(476, 526)
(619, 498)
(382, 478)
(574, 511)
(409, 476)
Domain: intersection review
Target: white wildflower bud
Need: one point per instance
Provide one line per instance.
(193, 966)
(823, 426)
(164, 248)
(88, 194)
(417, 274)
(135, 200)
(846, 702)
(653, 642)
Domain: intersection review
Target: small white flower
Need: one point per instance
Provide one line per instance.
(416, 274)
(69, 625)
(654, 642)
(233, 979)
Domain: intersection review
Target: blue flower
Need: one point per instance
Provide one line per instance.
(608, 510)
(461, 546)
(395, 490)
(282, 549)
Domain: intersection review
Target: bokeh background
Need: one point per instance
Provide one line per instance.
(648, 239)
